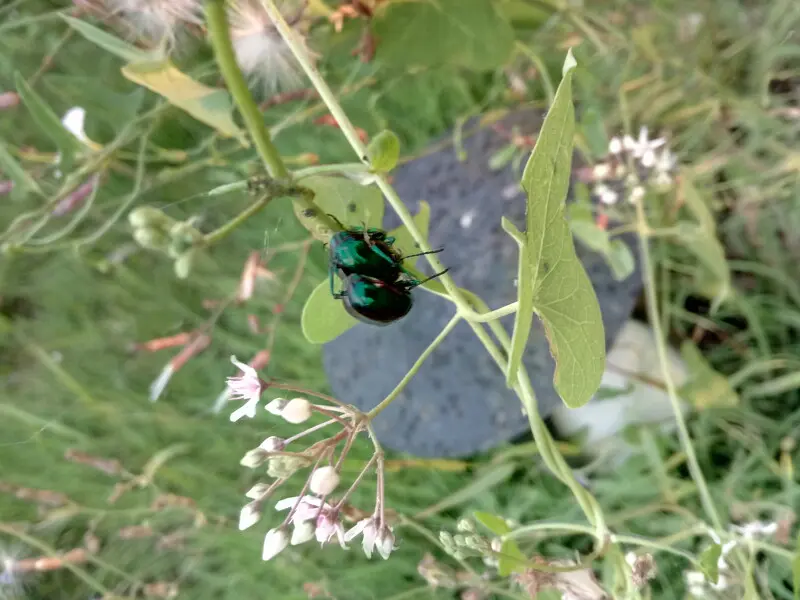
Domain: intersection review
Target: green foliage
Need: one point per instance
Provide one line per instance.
(568, 306)
(384, 151)
(709, 562)
(466, 33)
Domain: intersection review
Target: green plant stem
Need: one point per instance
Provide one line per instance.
(217, 22)
(222, 232)
(335, 168)
(524, 388)
(415, 367)
(655, 323)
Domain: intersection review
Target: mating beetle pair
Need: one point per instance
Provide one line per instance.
(377, 289)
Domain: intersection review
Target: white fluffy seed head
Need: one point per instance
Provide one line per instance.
(324, 480)
(260, 50)
(297, 410)
(156, 20)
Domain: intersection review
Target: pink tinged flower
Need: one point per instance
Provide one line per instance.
(328, 526)
(275, 542)
(308, 507)
(248, 387)
(297, 410)
(385, 542)
(302, 532)
(324, 480)
(249, 516)
(369, 529)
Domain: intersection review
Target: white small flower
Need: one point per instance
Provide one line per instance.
(637, 193)
(297, 410)
(257, 491)
(324, 480)
(629, 144)
(615, 145)
(666, 161)
(663, 180)
(73, 122)
(276, 406)
(275, 542)
(606, 194)
(369, 529)
(248, 387)
(601, 171)
(254, 458)
(273, 444)
(249, 516)
(755, 529)
(303, 532)
(385, 542)
(648, 158)
(308, 507)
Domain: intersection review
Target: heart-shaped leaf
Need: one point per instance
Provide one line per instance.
(384, 151)
(324, 318)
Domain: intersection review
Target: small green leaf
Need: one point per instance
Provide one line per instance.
(709, 562)
(502, 157)
(562, 294)
(324, 318)
(497, 525)
(705, 387)
(211, 106)
(620, 259)
(12, 169)
(594, 131)
(702, 241)
(109, 42)
(404, 243)
(591, 235)
(384, 151)
(353, 204)
(465, 33)
(511, 559)
(48, 122)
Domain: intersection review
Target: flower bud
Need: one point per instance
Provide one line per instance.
(282, 467)
(324, 480)
(183, 264)
(254, 458)
(149, 217)
(250, 515)
(297, 410)
(275, 542)
(273, 444)
(276, 406)
(385, 542)
(465, 525)
(303, 532)
(257, 491)
(152, 239)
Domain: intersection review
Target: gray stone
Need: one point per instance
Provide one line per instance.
(458, 403)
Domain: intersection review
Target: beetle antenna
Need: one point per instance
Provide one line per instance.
(433, 277)
(338, 222)
(423, 254)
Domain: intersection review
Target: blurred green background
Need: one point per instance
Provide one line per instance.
(720, 77)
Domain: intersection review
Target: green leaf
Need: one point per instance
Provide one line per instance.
(774, 387)
(796, 569)
(465, 33)
(497, 525)
(23, 182)
(48, 122)
(502, 157)
(594, 131)
(702, 241)
(404, 243)
(384, 151)
(620, 259)
(511, 559)
(709, 560)
(324, 318)
(705, 387)
(353, 204)
(592, 236)
(109, 42)
(562, 294)
(211, 106)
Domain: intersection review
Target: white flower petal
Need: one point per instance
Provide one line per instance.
(290, 502)
(275, 542)
(244, 368)
(248, 409)
(73, 122)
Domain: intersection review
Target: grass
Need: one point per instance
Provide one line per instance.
(70, 380)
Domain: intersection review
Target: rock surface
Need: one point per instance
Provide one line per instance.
(458, 403)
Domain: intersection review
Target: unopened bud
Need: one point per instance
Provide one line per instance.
(282, 467)
(276, 406)
(183, 264)
(273, 444)
(257, 491)
(149, 217)
(324, 480)
(250, 515)
(385, 542)
(152, 239)
(303, 532)
(275, 542)
(254, 458)
(465, 525)
(297, 411)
